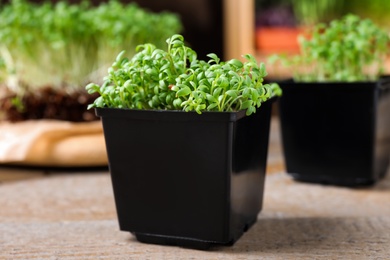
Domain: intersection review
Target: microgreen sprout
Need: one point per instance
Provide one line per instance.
(348, 49)
(68, 45)
(174, 79)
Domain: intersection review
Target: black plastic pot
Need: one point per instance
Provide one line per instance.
(336, 133)
(185, 179)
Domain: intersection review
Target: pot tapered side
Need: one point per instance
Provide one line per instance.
(185, 179)
(335, 133)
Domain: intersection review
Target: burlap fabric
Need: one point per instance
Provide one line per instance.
(72, 216)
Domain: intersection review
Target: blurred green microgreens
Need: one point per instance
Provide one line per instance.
(349, 49)
(68, 45)
(174, 79)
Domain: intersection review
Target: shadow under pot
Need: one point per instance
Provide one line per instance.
(184, 179)
(336, 133)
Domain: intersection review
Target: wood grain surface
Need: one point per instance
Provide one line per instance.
(72, 216)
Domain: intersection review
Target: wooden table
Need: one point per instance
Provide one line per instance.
(71, 215)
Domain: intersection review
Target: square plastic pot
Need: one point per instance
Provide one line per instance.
(180, 178)
(336, 133)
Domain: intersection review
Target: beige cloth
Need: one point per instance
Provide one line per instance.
(52, 143)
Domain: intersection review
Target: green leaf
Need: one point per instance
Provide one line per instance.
(232, 93)
(92, 88)
(250, 111)
(236, 63)
(212, 106)
(177, 103)
(263, 71)
(203, 88)
(223, 82)
(216, 92)
(211, 98)
(183, 92)
(199, 108)
(213, 57)
(246, 104)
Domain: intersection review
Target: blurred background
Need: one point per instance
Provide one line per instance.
(50, 50)
(278, 23)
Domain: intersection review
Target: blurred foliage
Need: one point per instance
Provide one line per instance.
(310, 12)
(65, 45)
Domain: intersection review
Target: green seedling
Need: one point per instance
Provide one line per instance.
(175, 79)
